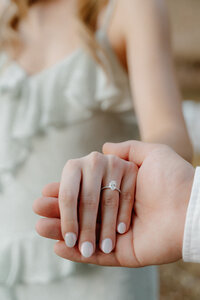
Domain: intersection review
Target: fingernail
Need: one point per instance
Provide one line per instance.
(87, 249)
(107, 246)
(70, 239)
(121, 228)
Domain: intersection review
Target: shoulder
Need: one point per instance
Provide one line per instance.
(140, 20)
(131, 13)
(133, 7)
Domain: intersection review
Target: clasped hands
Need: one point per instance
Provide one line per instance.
(143, 225)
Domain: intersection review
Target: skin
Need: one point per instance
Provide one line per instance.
(135, 27)
(163, 188)
(80, 194)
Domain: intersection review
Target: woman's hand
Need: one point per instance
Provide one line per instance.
(50, 227)
(164, 183)
(82, 202)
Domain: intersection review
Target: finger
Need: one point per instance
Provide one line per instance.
(49, 228)
(47, 207)
(98, 258)
(134, 151)
(126, 199)
(68, 198)
(109, 207)
(89, 203)
(51, 190)
(123, 256)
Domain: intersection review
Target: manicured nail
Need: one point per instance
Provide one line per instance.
(121, 228)
(70, 239)
(87, 249)
(107, 246)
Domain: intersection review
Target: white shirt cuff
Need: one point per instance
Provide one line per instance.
(191, 240)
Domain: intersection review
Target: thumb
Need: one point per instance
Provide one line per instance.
(134, 151)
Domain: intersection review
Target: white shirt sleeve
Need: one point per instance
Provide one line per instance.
(191, 240)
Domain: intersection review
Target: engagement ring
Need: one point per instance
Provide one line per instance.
(112, 186)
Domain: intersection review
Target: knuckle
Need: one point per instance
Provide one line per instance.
(132, 168)
(127, 197)
(88, 229)
(67, 198)
(110, 228)
(89, 201)
(114, 161)
(69, 225)
(110, 201)
(95, 159)
(71, 164)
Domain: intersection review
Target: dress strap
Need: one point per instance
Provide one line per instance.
(108, 15)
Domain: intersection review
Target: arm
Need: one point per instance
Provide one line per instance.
(157, 99)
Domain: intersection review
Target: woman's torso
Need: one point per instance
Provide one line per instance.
(64, 112)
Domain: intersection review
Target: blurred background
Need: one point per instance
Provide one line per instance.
(185, 24)
(182, 281)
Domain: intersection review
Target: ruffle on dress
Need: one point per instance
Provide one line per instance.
(69, 92)
(30, 259)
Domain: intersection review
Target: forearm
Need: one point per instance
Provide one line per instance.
(157, 99)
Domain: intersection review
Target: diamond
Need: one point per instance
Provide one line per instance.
(113, 185)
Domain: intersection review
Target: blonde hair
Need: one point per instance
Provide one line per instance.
(87, 13)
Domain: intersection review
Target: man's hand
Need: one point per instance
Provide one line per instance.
(163, 190)
(162, 194)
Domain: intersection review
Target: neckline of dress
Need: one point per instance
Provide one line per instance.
(60, 62)
(99, 35)
(54, 66)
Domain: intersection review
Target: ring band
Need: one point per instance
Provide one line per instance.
(112, 186)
